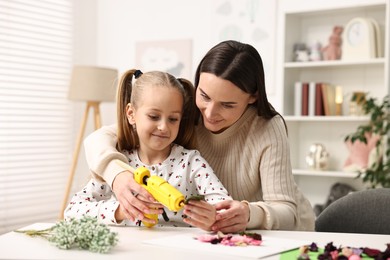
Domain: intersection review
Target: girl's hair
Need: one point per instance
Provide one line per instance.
(242, 65)
(131, 92)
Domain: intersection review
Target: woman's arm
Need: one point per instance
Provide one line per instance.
(275, 202)
(279, 207)
(283, 206)
(100, 152)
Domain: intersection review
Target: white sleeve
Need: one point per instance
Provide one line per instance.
(207, 183)
(95, 200)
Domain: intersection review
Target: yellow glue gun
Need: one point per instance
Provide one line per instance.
(159, 188)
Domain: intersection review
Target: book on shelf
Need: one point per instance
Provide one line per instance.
(305, 99)
(317, 99)
(319, 102)
(298, 98)
(312, 98)
(328, 96)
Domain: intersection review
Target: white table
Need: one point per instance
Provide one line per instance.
(131, 244)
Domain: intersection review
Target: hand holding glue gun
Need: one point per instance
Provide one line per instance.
(160, 189)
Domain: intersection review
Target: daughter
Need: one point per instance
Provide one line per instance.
(156, 116)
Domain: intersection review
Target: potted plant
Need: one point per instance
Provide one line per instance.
(377, 173)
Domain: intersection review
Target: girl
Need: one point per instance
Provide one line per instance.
(155, 117)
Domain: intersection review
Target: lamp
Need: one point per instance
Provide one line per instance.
(92, 85)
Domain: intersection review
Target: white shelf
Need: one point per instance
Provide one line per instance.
(340, 119)
(310, 22)
(334, 63)
(314, 173)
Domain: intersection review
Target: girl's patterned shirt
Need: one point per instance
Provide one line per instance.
(186, 170)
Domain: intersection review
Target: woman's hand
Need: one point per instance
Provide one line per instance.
(232, 216)
(199, 214)
(134, 200)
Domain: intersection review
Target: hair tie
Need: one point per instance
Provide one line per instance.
(137, 74)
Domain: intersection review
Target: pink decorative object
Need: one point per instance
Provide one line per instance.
(360, 153)
(333, 50)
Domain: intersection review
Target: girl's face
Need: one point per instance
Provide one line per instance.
(157, 118)
(221, 102)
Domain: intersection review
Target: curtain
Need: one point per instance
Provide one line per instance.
(35, 115)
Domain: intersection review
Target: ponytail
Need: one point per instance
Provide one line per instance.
(186, 136)
(127, 136)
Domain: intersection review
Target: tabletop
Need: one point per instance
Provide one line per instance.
(176, 243)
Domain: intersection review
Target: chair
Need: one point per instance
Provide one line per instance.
(366, 211)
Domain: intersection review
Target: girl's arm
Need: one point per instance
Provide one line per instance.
(95, 200)
(207, 183)
(202, 214)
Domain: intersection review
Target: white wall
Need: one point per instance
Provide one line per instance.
(85, 53)
(121, 23)
(107, 31)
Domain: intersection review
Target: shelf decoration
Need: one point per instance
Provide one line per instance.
(315, 52)
(317, 159)
(356, 104)
(338, 100)
(361, 39)
(361, 154)
(377, 173)
(301, 52)
(332, 51)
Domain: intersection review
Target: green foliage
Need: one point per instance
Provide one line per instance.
(194, 197)
(378, 174)
(85, 233)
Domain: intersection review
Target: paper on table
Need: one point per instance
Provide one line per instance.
(269, 246)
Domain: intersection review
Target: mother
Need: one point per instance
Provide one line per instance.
(241, 136)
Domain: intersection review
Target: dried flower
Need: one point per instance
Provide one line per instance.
(342, 253)
(85, 233)
(242, 239)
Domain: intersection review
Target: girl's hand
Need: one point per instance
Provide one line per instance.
(134, 200)
(199, 214)
(232, 216)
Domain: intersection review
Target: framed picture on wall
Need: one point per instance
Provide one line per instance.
(172, 56)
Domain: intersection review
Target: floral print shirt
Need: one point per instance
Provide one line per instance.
(184, 169)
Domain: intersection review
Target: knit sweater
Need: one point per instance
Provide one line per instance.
(252, 160)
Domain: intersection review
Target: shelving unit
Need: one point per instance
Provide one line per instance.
(341, 174)
(310, 23)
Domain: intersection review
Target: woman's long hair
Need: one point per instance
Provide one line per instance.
(242, 65)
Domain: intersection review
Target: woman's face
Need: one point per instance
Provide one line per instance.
(220, 101)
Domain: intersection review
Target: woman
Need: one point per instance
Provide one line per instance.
(241, 136)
